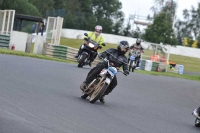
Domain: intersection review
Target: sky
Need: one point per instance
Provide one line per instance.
(142, 7)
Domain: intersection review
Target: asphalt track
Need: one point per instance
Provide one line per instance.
(40, 96)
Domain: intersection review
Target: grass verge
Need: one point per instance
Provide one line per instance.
(190, 77)
(77, 44)
(18, 53)
(190, 64)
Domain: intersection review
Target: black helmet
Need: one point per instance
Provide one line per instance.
(138, 41)
(122, 44)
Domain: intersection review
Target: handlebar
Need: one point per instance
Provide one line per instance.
(106, 60)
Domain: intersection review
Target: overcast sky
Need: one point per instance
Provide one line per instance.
(142, 7)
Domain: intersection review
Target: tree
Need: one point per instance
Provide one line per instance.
(137, 33)
(1, 1)
(190, 26)
(160, 31)
(20, 6)
(42, 8)
(117, 27)
(118, 23)
(59, 4)
(87, 17)
(126, 31)
(105, 12)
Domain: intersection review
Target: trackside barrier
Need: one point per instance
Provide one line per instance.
(177, 69)
(149, 65)
(63, 52)
(4, 41)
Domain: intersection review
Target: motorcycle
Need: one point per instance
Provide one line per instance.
(99, 85)
(87, 50)
(133, 60)
(196, 114)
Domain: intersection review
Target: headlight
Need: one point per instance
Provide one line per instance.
(91, 45)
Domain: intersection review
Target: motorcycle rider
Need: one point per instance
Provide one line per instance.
(136, 46)
(198, 112)
(95, 36)
(117, 58)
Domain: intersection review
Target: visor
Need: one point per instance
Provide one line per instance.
(99, 31)
(122, 46)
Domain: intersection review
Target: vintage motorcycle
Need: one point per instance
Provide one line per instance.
(87, 50)
(99, 85)
(133, 59)
(196, 114)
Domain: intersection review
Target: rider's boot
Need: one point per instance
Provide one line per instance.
(79, 52)
(101, 99)
(90, 64)
(83, 86)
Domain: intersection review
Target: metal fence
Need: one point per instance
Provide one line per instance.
(6, 21)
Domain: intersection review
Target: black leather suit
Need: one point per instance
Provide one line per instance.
(117, 59)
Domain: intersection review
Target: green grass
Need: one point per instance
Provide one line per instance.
(76, 44)
(18, 53)
(190, 64)
(190, 77)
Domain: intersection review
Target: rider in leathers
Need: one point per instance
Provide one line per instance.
(198, 111)
(136, 46)
(117, 58)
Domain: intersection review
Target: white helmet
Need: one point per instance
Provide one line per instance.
(98, 29)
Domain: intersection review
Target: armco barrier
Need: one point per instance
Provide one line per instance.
(63, 52)
(153, 67)
(177, 69)
(4, 41)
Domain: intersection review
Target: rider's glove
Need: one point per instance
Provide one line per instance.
(99, 47)
(101, 56)
(86, 39)
(103, 44)
(126, 72)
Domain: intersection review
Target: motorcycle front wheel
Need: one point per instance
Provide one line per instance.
(99, 90)
(84, 96)
(197, 123)
(82, 60)
(130, 66)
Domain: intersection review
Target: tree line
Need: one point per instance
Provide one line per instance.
(85, 14)
(80, 14)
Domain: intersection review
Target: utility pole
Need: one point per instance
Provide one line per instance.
(174, 19)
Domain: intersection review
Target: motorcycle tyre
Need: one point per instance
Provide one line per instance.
(130, 66)
(84, 96)
(81, 61)
(99, 94)
(197, 122)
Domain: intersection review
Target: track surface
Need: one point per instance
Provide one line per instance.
(39, 96)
